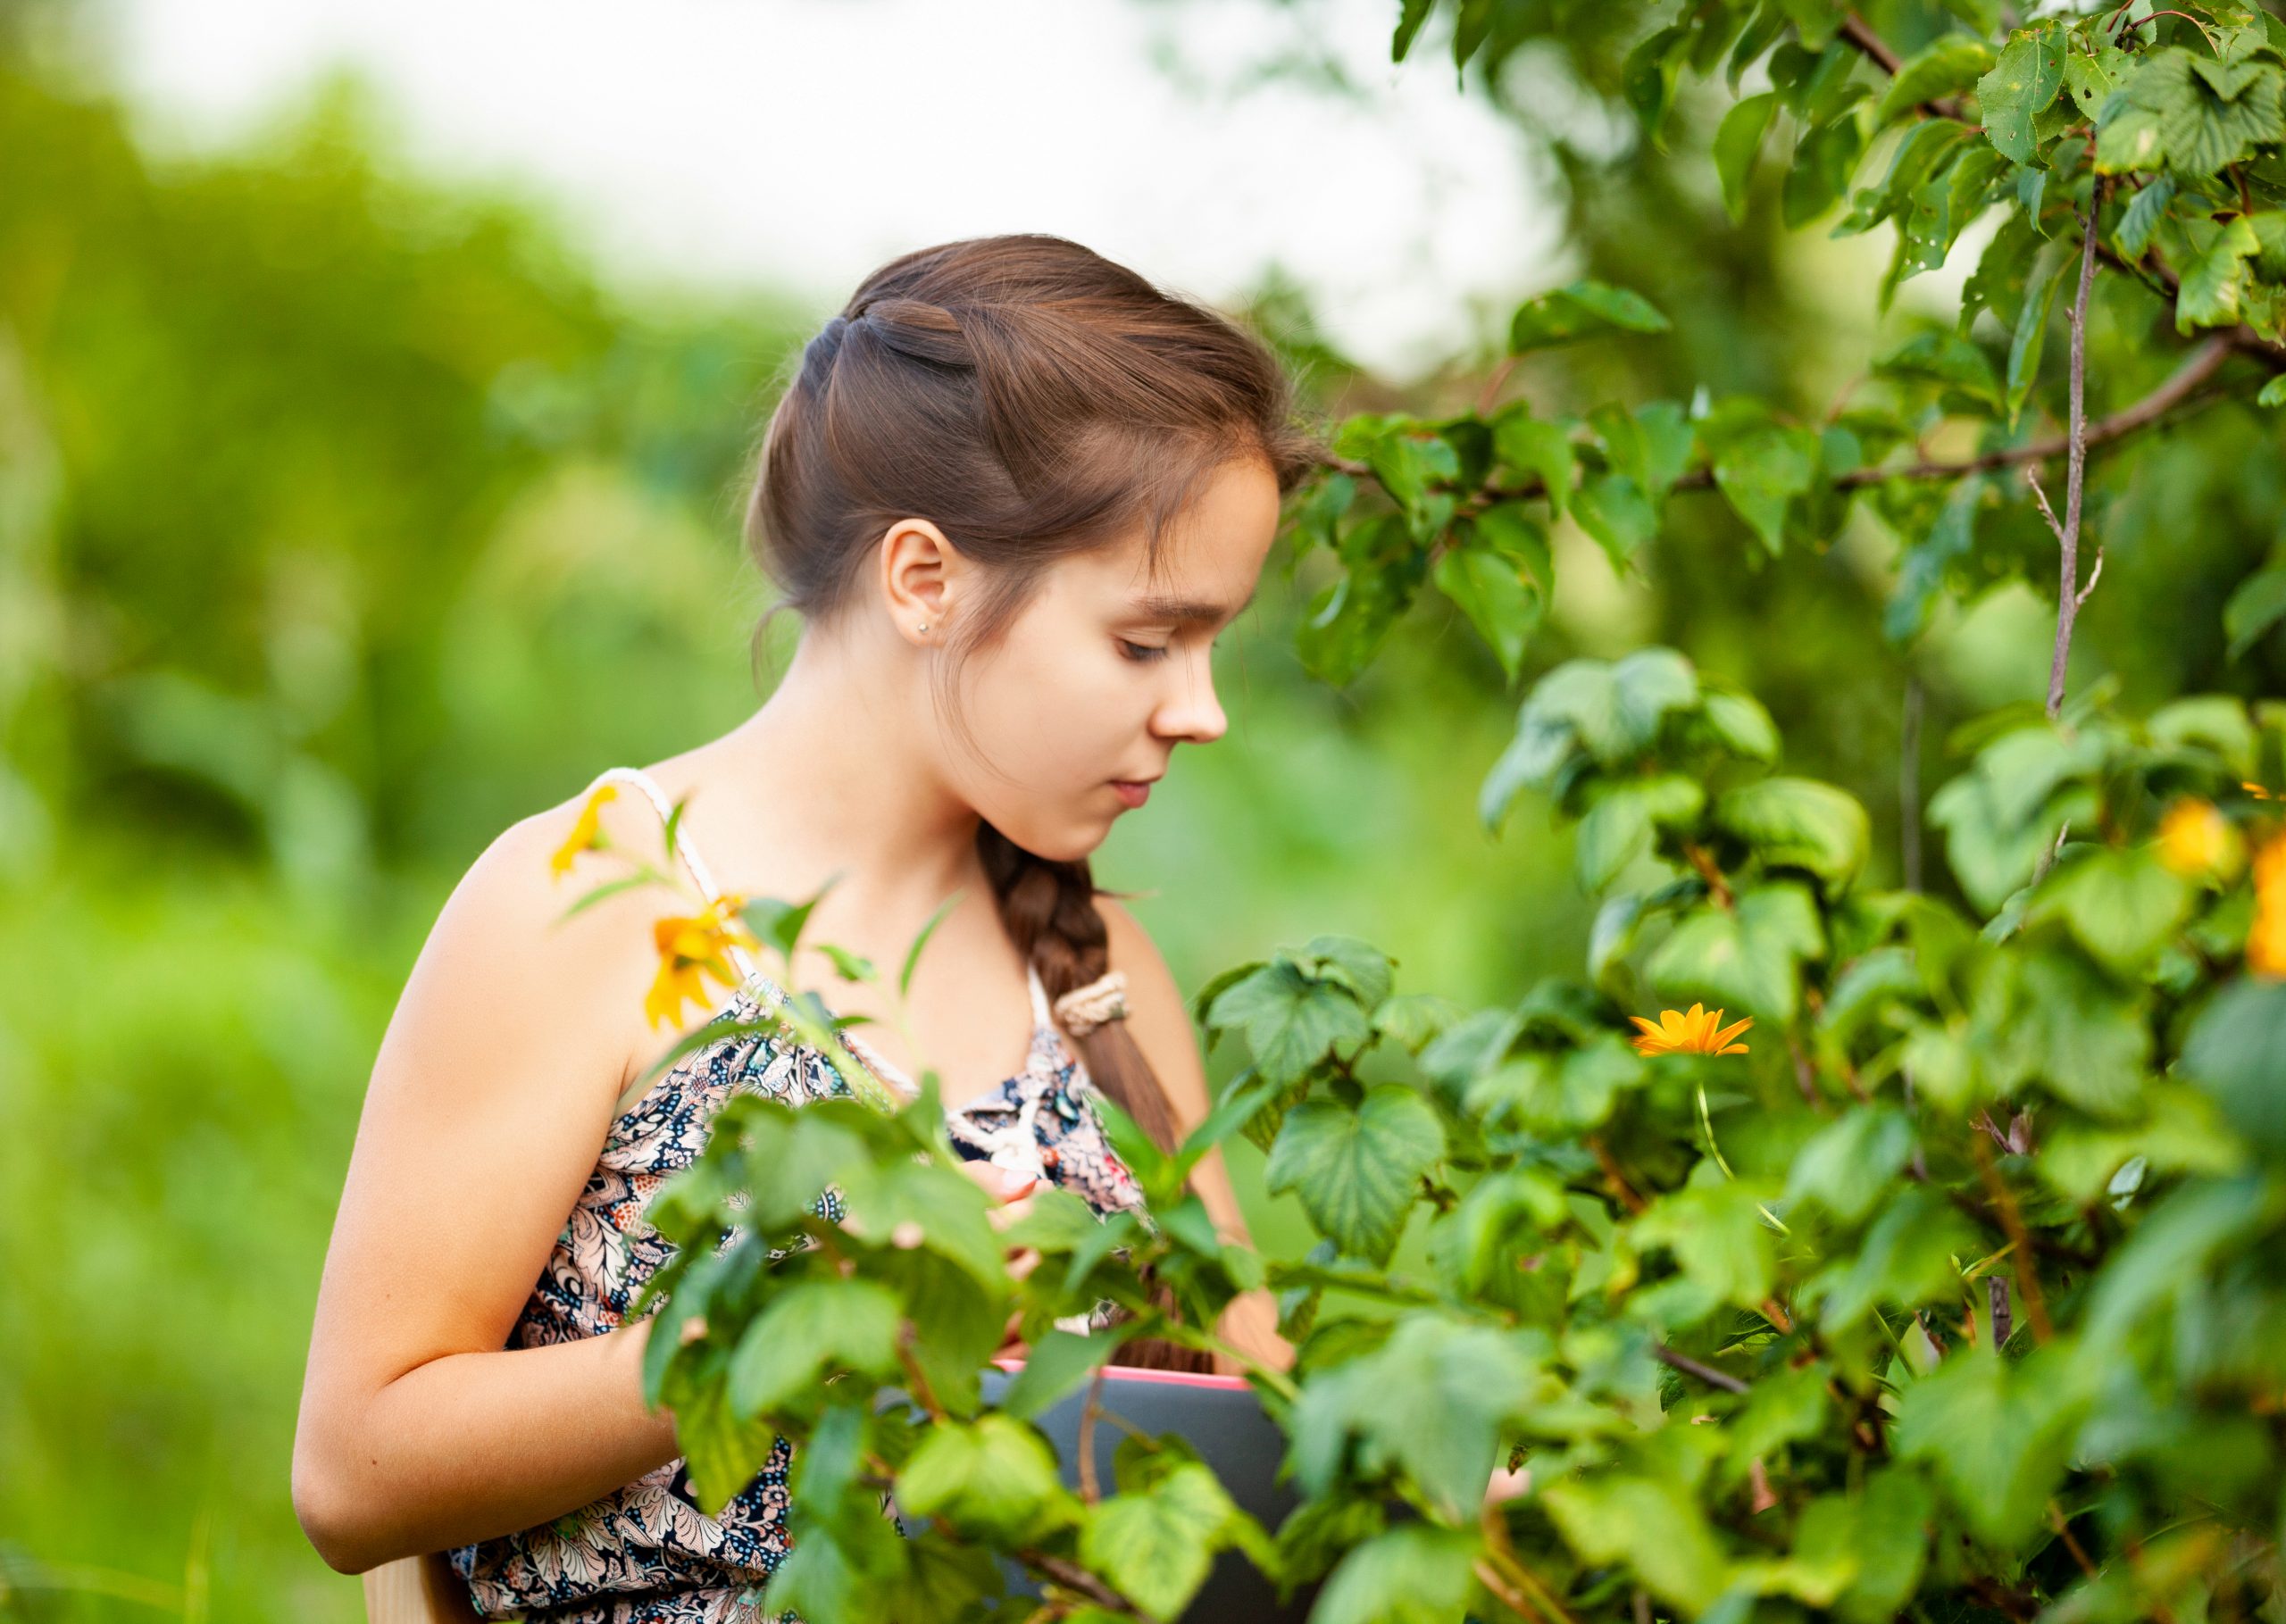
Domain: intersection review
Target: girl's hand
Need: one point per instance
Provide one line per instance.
(1011, 1193)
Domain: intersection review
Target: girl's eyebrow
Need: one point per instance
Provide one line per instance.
(1160, 607)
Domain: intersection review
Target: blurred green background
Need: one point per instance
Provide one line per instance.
(347, 516)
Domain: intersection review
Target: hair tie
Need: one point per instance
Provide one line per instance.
(1083, 1009)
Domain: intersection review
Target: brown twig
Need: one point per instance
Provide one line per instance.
(1688, 1366)
(2063, 1527)
(1859, 33)
(1072, 1577)
(2068, 595)
(1502, 1556)
(1090, 1490)
(1615, 1176)
(1703, 860)
(2012, 1221)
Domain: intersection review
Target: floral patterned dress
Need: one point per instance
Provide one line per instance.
(645, 1553)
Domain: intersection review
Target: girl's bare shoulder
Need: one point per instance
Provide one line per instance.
(514, 957)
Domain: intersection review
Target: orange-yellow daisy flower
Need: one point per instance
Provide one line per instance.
(693, 948)
(2196, 841)
(1697, 1033)
(586, 830)
(2266, 942)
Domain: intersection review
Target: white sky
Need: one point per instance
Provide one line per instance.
(802, 141)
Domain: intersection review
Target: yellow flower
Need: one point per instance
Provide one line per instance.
(693, 947)
(2196, 842)
(2266, 942)
(586, 830)
(1697, 1033)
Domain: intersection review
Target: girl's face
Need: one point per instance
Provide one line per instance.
(1077, 707)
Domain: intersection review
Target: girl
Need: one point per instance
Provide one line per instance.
(1013, 493)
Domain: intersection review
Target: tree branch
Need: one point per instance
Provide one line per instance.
(2201, 366)
(1860, 33)
(2075, 478)
(1688, 1366)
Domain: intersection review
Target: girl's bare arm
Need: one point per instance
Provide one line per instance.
(489, 1100)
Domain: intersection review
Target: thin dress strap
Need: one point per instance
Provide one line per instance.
(1041, 1012)
(687, 854)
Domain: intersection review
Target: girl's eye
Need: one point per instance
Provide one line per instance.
(1142, 654)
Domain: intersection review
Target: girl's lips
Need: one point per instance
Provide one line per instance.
(1131, 792)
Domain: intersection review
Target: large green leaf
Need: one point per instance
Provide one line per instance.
(993, 1477)
(1618, 828)
(1290, 1019)
(1530, 446)
(2021, 84)
(2237, 1052)
(1497, 574)
(1586, 309)
(834, 1324)
(1357, 1172)
(1417, 1574)
(1747, 958)
(1998, 1434)
(1155, 1544)
(1798, 823)
(2121, 905)
(1846, 1167)
(1652, 1524)
(1431, 1399)
(1947, 67)
(1737, 141)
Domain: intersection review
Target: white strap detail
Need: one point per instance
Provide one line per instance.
(693, 863)
(1042, 1015)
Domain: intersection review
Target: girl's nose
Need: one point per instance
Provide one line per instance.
(1193, 711)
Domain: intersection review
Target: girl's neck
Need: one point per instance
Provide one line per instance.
(834, 774)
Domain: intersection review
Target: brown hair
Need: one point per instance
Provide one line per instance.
(1032, 400)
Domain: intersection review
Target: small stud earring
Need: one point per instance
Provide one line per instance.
(924, 626)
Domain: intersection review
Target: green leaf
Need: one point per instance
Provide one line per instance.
(1737, 141)
(1944, 357)
(1586, 309)
(1489, 577)
(1529, 446)
(1928, 564)
(1905, 1259)
(1998, 1434)
(1614, 511)
(2121, 905)
(1155, 1545)
(1358, 1172)
(2215, 280)
(1740, 723)
(2021, 84)
(1054, 1365)
(1652, 1524)
(1846, 1167)
(1745, 958)
(2233, 1053)
(1949, 67)
(721, 1452)
(1431, 1399)
(2211, 113)
(2141, 216)
(1823, 161)
(812, 1325)
(993, 1478)
(1618, 827)
(1615, 709)
(1719, 1240)
(1759, 466)
(2030, 336)
(912, 953)
(2259, 603)
(1290, 1019)
(1416, 1574)
(1798, 823)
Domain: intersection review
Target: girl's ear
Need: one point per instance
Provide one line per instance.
(922, 576)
